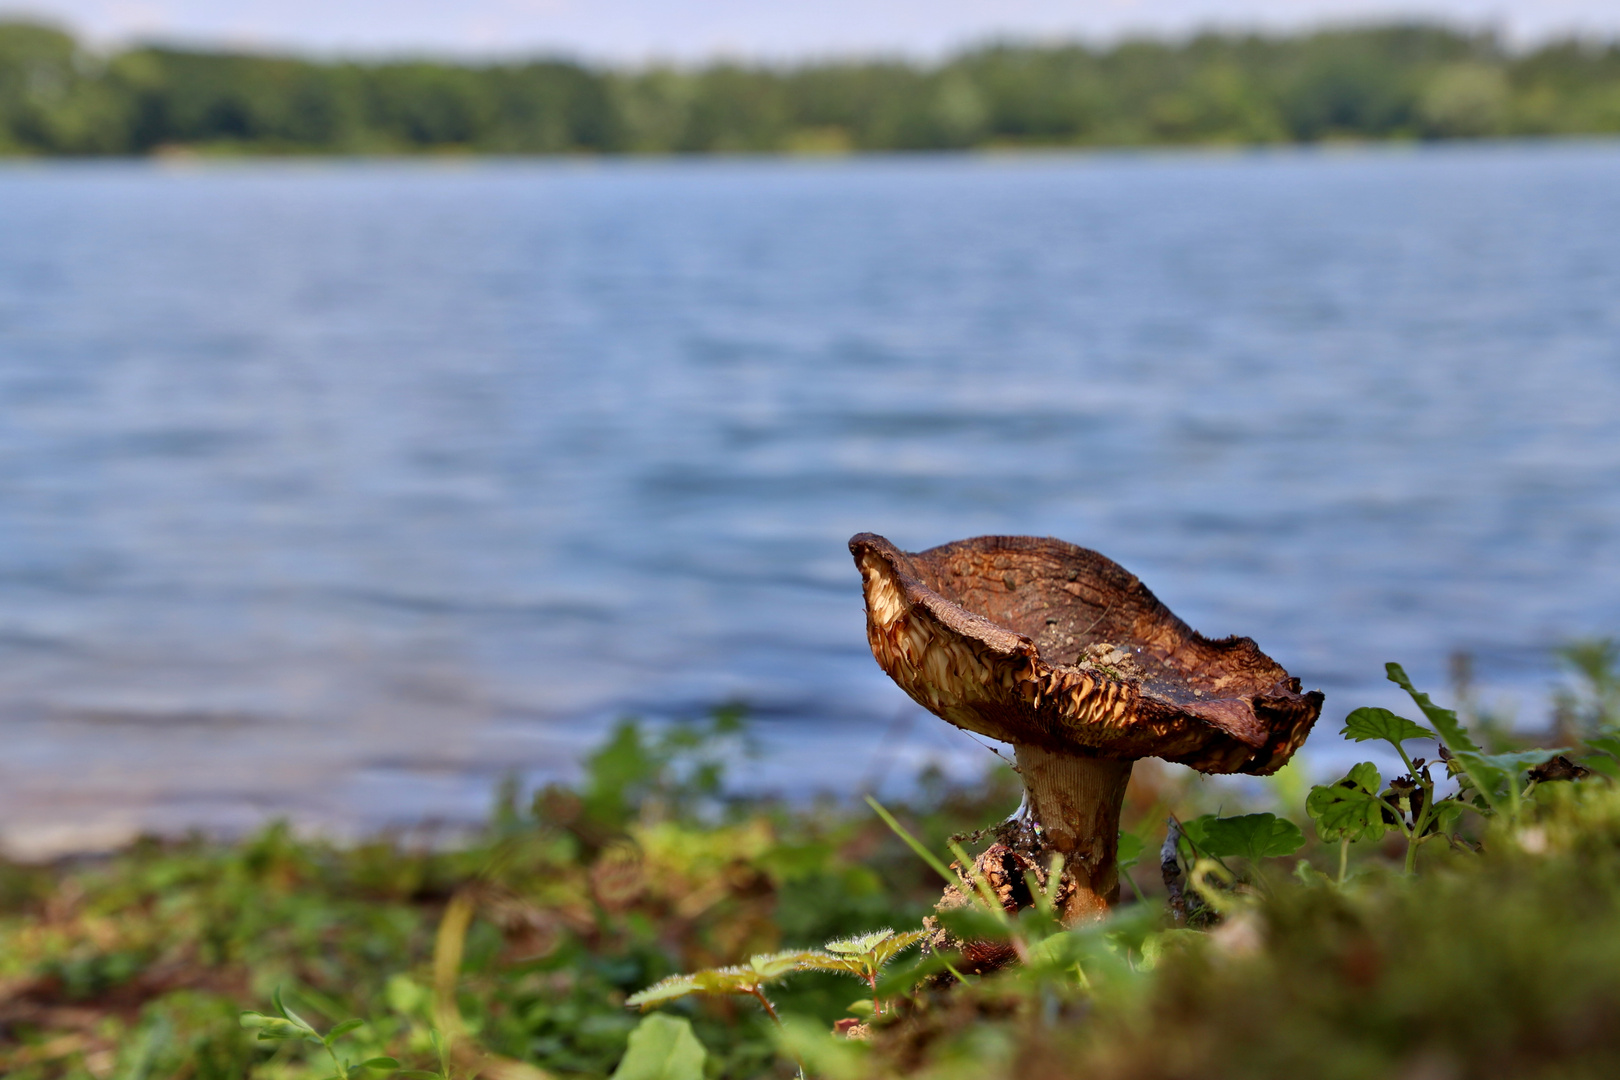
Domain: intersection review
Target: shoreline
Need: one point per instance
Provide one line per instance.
(186, 157)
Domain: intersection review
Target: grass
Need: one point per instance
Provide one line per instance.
(140, 963)
(1500, 965)
(513, 955)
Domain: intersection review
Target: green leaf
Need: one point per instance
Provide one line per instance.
(912, 842)
(1306, 874)
(1090, 946)
(292, 1017)
(1193, 831)
(271, 1027)
(1521, 761)
(1166, 942)
(729, 980)
(1446, 813)
(894, 945)
(662, 1047)
(1034, 924)
(1605, 744)
(844, 965)
(902, 977)
(861, 1007)
(1497, 776)
(1126, 929)
(772, 966)
(863, 944)
(342, 1029)
(861, 956)
(1064, 950)
(670, 989)
(418, 1074)
(1364, 775)
(1349, 808)
(1607, 766)
(378, 1063)
(973, 923)
(1366, 724)
(1251, 836)
(1130, 851)
(1486, 778)
(1444, 720)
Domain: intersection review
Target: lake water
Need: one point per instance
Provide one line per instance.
(338, 490)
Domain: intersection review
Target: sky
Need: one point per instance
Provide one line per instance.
(689, 30)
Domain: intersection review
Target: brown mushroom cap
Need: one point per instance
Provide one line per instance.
(992, 635)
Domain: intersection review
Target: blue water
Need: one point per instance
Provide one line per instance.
(338, 490)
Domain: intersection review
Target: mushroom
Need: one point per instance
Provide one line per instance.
(1067, 656)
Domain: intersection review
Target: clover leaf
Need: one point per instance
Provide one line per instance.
(1349, 808)
(1366, 724)
(1250, 836)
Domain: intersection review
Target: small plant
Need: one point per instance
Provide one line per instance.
(288, 1026)
(863, 957)
(1350, 809)
(984, 918)
(748, 979)
(1052, 956)
(1203, 844)
(1248, 836)
(1360, 806)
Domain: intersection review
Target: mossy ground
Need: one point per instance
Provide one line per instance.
(1502, 963)
(139, 964)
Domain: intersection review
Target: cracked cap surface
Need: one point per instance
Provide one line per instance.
(1036, 641)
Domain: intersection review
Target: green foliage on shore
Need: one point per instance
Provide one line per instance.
(1390, 940)
(519, 944)
(1504, 963)
(1499, 960)
(1400, 81)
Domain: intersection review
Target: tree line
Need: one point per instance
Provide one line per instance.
(1400, 81)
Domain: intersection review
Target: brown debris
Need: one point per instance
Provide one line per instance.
(851, 1028)
(1559, 768)
(1186, 906)
(1002, 869)
(618, 878)
(1108, 660)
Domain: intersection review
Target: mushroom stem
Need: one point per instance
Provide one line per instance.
(1076, 800)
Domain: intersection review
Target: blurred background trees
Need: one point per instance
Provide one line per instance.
(1402, 82)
